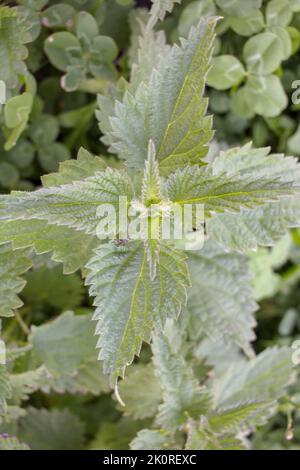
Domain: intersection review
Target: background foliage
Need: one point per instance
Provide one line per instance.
(55, 57)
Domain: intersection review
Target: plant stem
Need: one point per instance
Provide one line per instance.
(22, 324)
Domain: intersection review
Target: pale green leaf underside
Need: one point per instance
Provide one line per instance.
(128, 303)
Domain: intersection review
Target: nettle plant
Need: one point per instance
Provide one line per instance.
(191, 306)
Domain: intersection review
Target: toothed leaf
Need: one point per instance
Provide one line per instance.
(169, 108)
(12, 265)
(73, 205)
(221, 298)
(128, 303)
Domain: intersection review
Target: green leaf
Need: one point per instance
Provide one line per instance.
(75, 170)
(16, 114)
(58, 15)
(22, 155)
(12, 265)
(59, 48)
(263, 53)
(140, 391)
(192, 14)
(72, 79)
(182, 396)
(247, 25)
(49, 287)
(29, 20)
(52, 155)
(9, 175)
(238, 7)
(263, 264)
(14, 353)
(68, 246)
(151, 439)
(67, 348)
(159, 10)
(294, 34)
(248, 161)
(105, 113)
(151, 51)
(221, 298)
(262, 226)
(115, 435)
(12, 51)
(88, 379)
(285, 38)
(238, 417)
(34, 4)
(25, 383)
(279, 13)
(51, 430)
(264, 378)
(229, 186)
(126, 317)
(64, 344)
(85, 25)
(147, 52)
(103, 52)
(201, 437)
(226, 72)
(5, 389)
(180, 131)
(73, 205)
(240, 104)
(37, 130)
